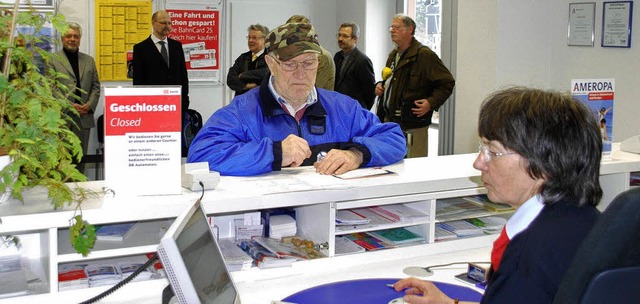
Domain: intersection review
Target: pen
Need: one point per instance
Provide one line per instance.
(321, 155)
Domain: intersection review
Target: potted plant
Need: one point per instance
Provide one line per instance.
(34, 118)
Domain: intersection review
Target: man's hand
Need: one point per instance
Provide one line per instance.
(423, 107)
(250, 85)
(83, 109)
(294, 151)
(379, 89)
(339, 162)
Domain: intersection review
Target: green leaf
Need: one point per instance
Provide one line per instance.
(82, 235)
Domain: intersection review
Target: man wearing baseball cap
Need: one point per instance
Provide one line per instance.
(287, 122)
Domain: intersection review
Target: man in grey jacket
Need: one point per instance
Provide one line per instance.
(81, 78)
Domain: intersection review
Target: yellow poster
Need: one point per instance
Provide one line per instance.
(119, 26)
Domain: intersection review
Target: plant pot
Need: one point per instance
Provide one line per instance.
(5, 160)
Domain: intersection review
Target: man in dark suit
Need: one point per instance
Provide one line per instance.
(154, 66)
(250, 68)
(354, 71)
(81, 80)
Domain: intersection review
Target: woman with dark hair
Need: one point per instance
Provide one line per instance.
(540, 153)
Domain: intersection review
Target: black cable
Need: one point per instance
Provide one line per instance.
(123, 282)
(202, 194)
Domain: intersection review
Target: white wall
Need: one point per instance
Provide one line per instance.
(623, 64)
(352, 11)
(476, 63)
(379, 14)
(520, 42)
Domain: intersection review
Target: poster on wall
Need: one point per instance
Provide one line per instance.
(598, 94)
(198, 28)
(142, 140)
(29, 3)
(120, 24)
(46, 36)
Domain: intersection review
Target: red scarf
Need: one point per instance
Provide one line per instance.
(498, 249)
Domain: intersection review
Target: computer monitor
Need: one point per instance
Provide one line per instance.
(193, 261)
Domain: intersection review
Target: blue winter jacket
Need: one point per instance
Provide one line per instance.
(245, 137)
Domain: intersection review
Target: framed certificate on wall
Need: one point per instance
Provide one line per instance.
(616, 23)
(580, 31)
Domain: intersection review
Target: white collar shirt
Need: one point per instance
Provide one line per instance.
(524, 216)
(311, 99)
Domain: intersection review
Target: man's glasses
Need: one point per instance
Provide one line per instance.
(292, 65)
(254, 37)
(396, 27)
(488, 155)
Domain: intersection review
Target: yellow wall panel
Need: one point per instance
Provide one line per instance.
(121, 25)
(119, 19)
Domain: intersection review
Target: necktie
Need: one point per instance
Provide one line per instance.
(498, 249)
(163, 52)
(253, 57)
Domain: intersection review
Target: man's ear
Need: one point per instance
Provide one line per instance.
(271, 63)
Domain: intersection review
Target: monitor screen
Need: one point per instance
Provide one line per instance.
(193, 261)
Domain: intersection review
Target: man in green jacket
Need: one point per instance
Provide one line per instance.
(419, 84)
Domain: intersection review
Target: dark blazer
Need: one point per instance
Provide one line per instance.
(535, 260)
(244, 71)
(149, 67)
(358, 79)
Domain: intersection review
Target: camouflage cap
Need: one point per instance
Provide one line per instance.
(292, 39)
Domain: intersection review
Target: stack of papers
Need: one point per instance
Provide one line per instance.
(246, 231)
(234, 257)
(489, 224)
(462, 228)
(346, 246)
(72, 277)
(114, 232)
(368, 241)
(348, 217)
(456, 208)
(283, 250)
(483, 200)
(282, 225)
(264, 258)
(127, 268)
(103, 274)
(400, 212)
(398, 236)
(443, 234)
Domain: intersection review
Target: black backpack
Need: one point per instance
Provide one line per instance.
(191, 125)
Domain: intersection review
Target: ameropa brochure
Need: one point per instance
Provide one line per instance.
(142, 140)
(598, 94)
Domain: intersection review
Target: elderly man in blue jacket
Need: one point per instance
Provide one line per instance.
(287, 122)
